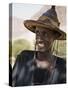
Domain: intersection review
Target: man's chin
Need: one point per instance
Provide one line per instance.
(41, 50)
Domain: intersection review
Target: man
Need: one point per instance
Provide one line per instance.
(41, 67)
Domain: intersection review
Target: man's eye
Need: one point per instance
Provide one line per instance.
(37, 32)
(45, 34)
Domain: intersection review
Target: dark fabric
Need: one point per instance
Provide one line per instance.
(24, 73)
(10, 74)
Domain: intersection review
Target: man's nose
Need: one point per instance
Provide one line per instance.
(38, 33)
(38, 37)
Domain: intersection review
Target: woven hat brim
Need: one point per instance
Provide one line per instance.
(32, 24)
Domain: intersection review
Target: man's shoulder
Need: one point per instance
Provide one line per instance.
(60, 63)
(60, 60)
(25, 55)
(26, 52)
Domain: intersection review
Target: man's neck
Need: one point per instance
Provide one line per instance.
(44, 55)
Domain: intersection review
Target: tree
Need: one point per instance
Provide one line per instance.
(18, 46)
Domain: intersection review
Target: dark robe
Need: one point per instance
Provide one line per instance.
(26, 73)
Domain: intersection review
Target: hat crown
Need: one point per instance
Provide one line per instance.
(48, 20)
(50, 15)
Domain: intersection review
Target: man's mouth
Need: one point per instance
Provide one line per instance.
(41, 45)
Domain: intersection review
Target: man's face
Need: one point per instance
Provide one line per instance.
(44, 39)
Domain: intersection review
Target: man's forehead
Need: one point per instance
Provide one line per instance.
(41, 29)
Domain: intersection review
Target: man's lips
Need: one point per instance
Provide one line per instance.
(41, 44)
(39, 41)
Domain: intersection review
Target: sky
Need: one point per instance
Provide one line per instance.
(21, 10)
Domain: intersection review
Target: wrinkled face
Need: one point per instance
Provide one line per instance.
(44, 39)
